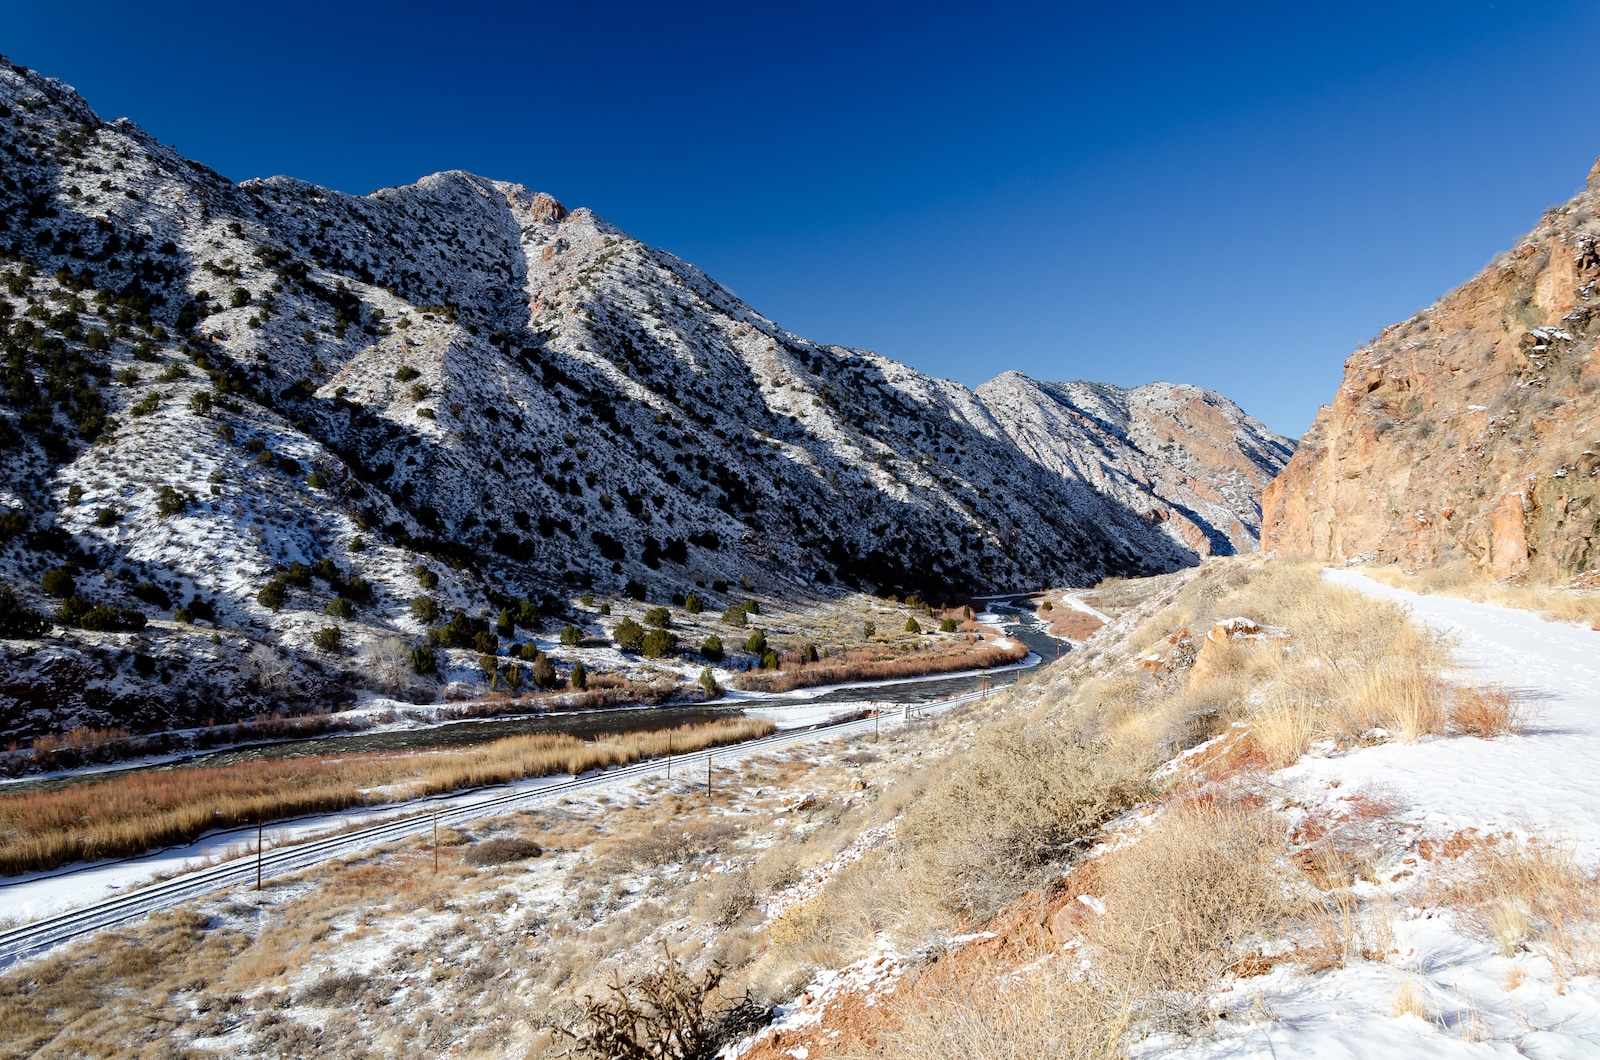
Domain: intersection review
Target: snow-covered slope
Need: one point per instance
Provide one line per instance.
(209, 382)
(1186, 459)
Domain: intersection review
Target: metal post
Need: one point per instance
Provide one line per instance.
(258, 853)
(876, 736)
(435, 841)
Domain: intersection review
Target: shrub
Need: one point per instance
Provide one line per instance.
(98, 618)
(58, 582)
(505, 625)
(170, 502)
(659, 642)
(544, 673)
(580, 677)
(405, 373)
(486, 643)
(456, 633)
(426, 578)
(751, 607)
(756, 643)
(1046, 606)
(1488, 711)
(274, 594)
(16, 621)
(735, 616)
(868, 629)
(327, 639)
(718, 585)
(708, 682)
(317, 480)
(659, 617)
(693, 604)
(424, 609)
(629, 636)
(712, 649)
(106, 517)
(357, 544)
(571, 636)
(339, 607)
(501, 852)
(635, 590)
(240, 298)
(422, 661)
(605, 609)
(947, 625)
(527, 616)
(912, 626)
(664, 1013)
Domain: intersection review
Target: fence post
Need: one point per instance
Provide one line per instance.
(258, 853)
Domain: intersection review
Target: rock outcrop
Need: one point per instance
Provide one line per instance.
(1469, 433)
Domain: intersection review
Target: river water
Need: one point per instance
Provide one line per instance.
(1017, 620)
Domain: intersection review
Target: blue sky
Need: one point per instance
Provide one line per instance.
(1230, 195)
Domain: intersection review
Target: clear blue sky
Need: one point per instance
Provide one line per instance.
(1235, 196)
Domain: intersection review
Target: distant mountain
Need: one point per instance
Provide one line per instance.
(208, 383)
(1467, 434)
(1187, 460)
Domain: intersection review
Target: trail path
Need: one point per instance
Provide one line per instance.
(1543, 782)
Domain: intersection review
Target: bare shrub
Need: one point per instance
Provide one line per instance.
(501, 851)
(337, 990)
(1487, 711)
(1185, 906)
(386, 666)
(664, 1014)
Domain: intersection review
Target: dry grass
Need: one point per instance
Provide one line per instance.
(868, 664)
(1186, 905)
(1529, 896)
(1026, 797)
(1562, 605)
(1408, 1001)
(1487, 711)
(1047, 1014)
(131, 814)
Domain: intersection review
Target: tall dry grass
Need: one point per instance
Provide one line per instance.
(132, 814)
(866, 664)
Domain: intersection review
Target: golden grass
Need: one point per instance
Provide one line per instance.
(1563, 605)
(870, 665)
(131, 814)
(1530, 895)
(1487, 711)
(1408, 1001)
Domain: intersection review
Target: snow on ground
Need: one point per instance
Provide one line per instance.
(1545, 782)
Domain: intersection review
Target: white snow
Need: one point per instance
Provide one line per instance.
(1543, 782)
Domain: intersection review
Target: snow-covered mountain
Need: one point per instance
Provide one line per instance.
(208, 383)
(1186, 459)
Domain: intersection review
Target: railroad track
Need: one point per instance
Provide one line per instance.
(49, 932)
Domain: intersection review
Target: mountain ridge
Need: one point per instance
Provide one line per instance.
(457, 384)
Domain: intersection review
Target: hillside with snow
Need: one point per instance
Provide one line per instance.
(268, 403)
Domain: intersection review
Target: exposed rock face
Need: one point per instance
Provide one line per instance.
(1469, 432)
(1188, 460)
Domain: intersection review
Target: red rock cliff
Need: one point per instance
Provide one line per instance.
(1468, 433)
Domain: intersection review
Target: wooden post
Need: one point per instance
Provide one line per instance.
(435, 841)
(258, 853)
(669, 754)
(708, 773)
(876, 736)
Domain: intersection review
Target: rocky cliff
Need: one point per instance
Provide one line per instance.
(1468, 433)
